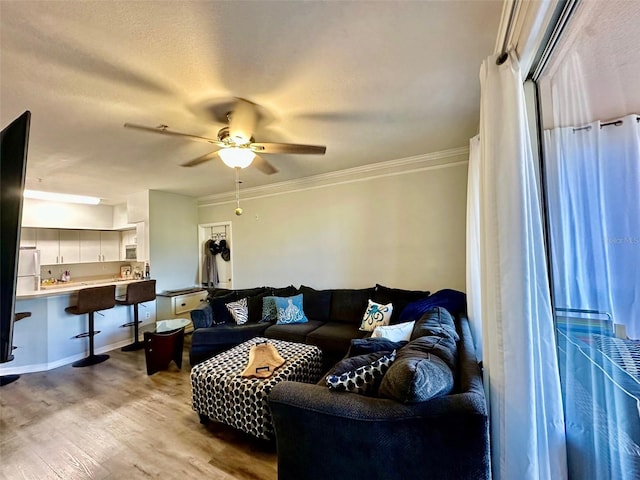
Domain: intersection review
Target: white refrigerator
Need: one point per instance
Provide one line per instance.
(28, 271)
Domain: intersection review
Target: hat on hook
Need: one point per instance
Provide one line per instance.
(225, 252)
(214, 248)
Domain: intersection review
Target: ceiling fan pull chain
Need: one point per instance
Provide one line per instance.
(238, 209)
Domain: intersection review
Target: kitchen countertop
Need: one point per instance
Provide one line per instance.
(73, 286)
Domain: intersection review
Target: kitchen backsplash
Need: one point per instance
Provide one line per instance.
(88, 270)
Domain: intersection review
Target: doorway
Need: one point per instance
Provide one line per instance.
(215, 270)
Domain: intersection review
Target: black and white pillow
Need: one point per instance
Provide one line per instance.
(363, 379)
(239, 311)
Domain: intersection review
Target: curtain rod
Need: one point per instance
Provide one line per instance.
(616, 123)
(504, 53)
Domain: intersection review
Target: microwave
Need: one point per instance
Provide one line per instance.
(130, 252)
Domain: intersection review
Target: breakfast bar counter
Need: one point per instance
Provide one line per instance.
(49, 338)
(74, 286)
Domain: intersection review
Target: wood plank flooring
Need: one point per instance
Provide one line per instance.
(112, 421)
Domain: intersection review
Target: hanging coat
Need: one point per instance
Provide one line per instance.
(209, 270)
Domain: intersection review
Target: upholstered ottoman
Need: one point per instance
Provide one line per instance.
(221, 394)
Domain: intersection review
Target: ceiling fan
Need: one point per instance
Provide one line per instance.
(235, 143)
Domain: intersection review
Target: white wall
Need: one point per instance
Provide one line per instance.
(173, 240)
(402, 230)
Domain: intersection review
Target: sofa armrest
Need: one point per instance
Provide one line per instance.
(202, 317)
(325, 434)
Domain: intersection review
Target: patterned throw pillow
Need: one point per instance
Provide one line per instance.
(395, 333)
(364, 379)
(239, 311)
(290, 310)
(376, 315)
(269, 311)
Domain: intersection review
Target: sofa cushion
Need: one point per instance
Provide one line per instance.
(454, 301)
(443, 347)
(289, 310)
(249, 292)
(364, 379)
(348, 305)
(395, 333)
(219, 308)
(361, 346)
(229, 334)
(202, 316)
(416, 377)
(283, 291)
(293, 332)
(255, 307)
(438, 322)
(239, 311)
(316, 303)
(218, 292)
(376, 315)
(334, 337)
(399, 297)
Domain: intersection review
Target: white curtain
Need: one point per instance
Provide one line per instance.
(519, 350)
(474, 302)
(593, 182)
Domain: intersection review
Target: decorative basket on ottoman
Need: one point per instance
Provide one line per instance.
(220, 393)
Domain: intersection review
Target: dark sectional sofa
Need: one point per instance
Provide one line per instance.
(423, 415)
(334, 317)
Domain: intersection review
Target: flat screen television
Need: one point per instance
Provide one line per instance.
(13, 163)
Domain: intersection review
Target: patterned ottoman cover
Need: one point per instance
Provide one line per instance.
(221, 394)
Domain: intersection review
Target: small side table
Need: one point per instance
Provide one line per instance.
(164, 344)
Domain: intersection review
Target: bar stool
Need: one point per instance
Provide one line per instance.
(138, 292)
(91, 300)
(7, 379)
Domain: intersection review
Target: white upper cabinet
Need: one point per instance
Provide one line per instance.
(99, 246)
(48, 242)
(69, 246)
(90, 246)
(28, 237)
(110, 246)
(58, 246)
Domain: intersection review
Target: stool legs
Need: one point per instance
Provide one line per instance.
(136, 345)
(92, 359)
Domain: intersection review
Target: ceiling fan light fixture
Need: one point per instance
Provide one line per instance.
(235, 157)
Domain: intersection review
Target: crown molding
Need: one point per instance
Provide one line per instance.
(402, 166)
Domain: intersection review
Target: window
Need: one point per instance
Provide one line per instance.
(590, 105)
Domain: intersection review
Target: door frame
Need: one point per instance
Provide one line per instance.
(204, 235)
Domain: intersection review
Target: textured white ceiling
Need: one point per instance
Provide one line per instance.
(373, 81)
(595, 69)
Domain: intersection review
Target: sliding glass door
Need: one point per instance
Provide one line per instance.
(589, 95)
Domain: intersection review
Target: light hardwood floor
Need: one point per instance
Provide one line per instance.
(112, 421)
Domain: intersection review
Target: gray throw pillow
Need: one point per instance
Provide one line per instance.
(437, 321)
(416, 379)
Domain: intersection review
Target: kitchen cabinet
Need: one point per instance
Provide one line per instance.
(99, 246)
(170, 305)
(69, 246)
(90, 246)
(110, 246)
(128, 237)
(28, 237)
(58, 246)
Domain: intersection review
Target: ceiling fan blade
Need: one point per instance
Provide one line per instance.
(163, 130)
(288, 148)
(264, 166)
(199, 160)
(242, 121)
